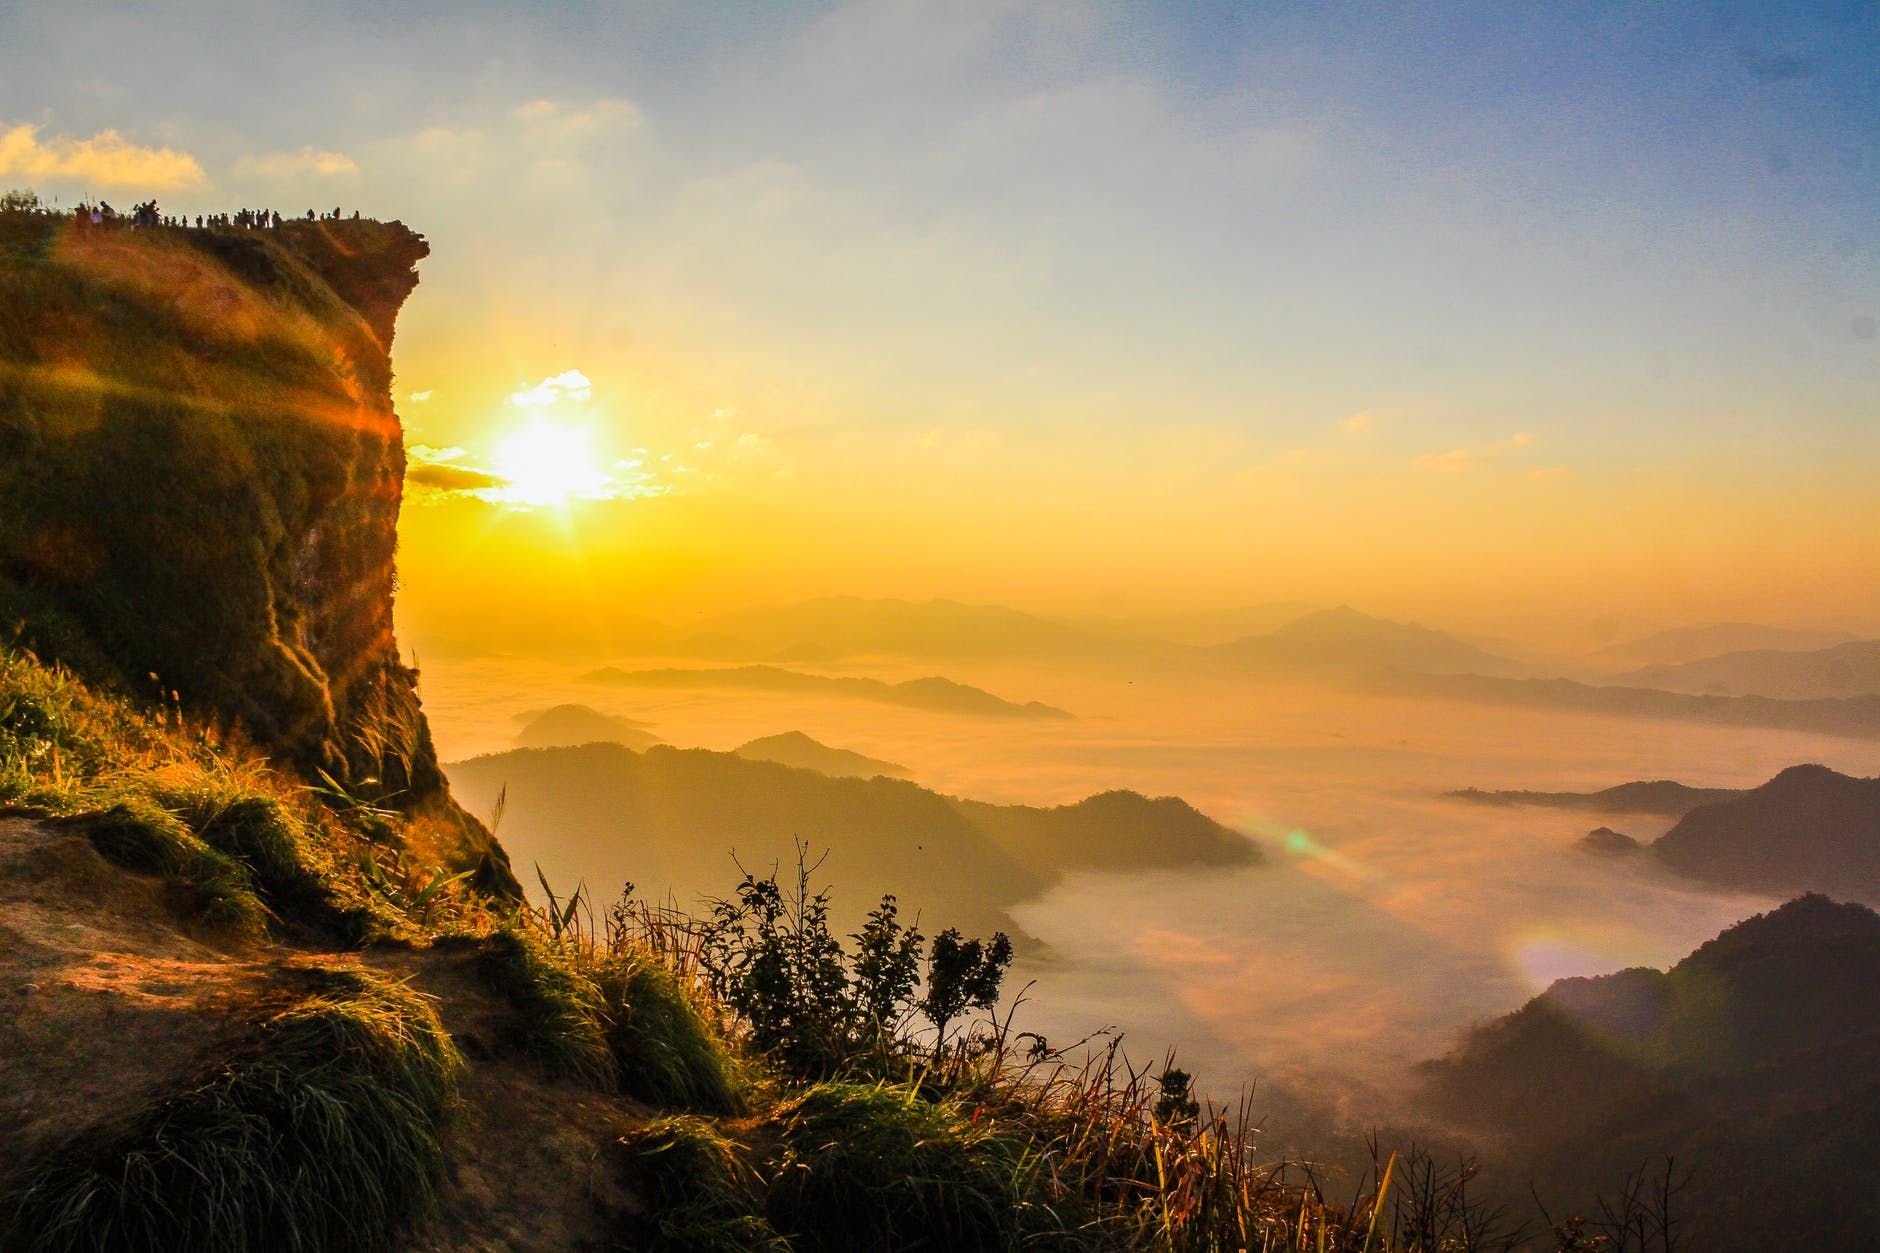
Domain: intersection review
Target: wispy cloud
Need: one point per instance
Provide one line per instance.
(1357, 422)
(1460, 460)
(445, 478)
(308, 161)
(444, 473)
(568, 385)
(107, 159)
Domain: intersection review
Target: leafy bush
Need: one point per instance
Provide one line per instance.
(768, 956)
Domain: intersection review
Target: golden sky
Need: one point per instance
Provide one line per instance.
(1553, 323)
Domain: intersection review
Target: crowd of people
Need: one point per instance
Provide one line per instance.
(102, 215)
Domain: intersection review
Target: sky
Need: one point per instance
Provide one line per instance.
(1548, 320)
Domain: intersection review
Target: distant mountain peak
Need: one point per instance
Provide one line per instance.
(1343, 640)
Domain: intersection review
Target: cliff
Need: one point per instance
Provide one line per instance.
(200, 478)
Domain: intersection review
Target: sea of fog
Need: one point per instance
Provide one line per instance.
(1382, 919)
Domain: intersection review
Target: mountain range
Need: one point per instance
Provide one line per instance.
(1851, 669)
(1853, 716)
(1660, 796)
(1343, 642)
(670, 818)
(1712, 639)
(564, 726)
(934, 694)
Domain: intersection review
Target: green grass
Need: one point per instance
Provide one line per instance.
(560, 1016)
(666, 1051)
(700, 1190)
(325, 1137)
(880, 1167)
(141, 835)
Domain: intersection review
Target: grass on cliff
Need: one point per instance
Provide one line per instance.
(158, 794)
(325, 1135)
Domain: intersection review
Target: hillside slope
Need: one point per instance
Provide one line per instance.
(1809, 829)
(200, 477)
(1751, 1061)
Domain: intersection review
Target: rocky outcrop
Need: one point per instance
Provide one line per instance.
(200, 479)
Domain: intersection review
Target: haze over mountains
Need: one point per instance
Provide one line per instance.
(1851, 669)
(1857, 716)
(793, 748)
(1343, 642)
(564, 726)
(1809, 829)
(934, 694)
(1694, 643)
(1660, 796)
(671, 819)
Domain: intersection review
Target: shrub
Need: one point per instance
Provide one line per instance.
(325, 1137)
(817, 1010)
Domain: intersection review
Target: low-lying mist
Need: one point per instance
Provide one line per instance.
(1383, 918)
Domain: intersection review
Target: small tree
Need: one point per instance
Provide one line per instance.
(886, 968)
(962, 975)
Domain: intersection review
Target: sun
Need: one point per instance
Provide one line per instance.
(548, 465)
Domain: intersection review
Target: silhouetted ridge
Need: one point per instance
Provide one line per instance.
(1751, 1061)
(935, 694)
(1660, 796)
(793, 748)
(1857, 716)
(1608, 843)
(669, 817)
(1844, 670)
(1808, 829)
(564, 726)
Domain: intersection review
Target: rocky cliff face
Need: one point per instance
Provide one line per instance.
(200, 478)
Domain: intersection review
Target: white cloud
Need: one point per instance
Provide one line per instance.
(418, 398)
(568, 385)
(306, 162)
(107, 159)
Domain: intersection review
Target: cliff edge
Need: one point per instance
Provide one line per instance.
(200, 478)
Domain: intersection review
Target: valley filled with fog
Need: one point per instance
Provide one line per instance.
(1380, 919)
